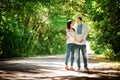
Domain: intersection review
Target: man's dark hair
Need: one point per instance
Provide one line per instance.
(79, 18)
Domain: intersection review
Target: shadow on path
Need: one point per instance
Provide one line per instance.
(52, 68)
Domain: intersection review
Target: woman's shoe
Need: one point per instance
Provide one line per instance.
(72, 69)
(66, 68)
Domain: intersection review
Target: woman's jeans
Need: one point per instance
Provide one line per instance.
(83, 50)
(69, 50)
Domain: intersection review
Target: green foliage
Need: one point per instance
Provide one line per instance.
(37, 27)
(109, 54)
(106, 28)
(28, 28)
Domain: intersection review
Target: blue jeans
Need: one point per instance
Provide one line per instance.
(69, 49)
(83, 50)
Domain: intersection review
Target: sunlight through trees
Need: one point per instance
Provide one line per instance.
(37, 27)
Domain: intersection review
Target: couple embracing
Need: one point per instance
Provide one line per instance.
(76, 41)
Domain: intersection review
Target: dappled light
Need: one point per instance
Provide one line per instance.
(33, 28)
(34, 39)
(52, 67)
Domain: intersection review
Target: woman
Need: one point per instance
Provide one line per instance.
(70, 44)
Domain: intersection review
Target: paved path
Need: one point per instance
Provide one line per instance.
(52, 68)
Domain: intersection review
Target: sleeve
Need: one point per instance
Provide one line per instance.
(69, 35)
(85, 33)
(78, 38)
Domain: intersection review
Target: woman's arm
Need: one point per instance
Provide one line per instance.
(69, 35)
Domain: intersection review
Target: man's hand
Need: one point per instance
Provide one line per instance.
(79, 40)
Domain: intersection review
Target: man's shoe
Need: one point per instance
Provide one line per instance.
(86, 69)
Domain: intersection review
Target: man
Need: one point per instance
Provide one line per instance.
(81, 34)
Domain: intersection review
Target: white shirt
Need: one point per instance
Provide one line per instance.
(70, 36)
(82, 36)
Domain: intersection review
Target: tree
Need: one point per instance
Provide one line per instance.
(106, 29)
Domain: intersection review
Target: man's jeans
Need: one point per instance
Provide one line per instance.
(83, 50)
(69, 49)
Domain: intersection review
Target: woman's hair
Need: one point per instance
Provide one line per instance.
(68, 24)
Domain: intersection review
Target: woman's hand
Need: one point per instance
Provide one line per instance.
(81, 41)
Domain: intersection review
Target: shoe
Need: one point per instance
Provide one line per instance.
(67, 68)
(86, 69)
(72, 69)
(78, 69)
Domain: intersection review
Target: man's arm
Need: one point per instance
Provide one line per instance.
(85, 33)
